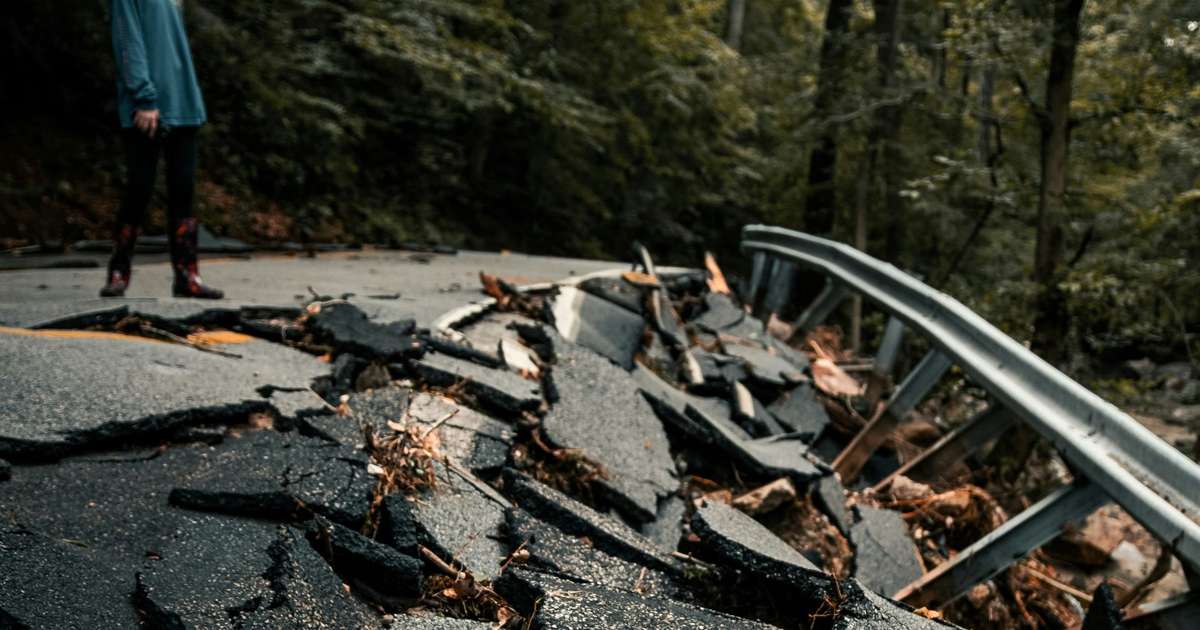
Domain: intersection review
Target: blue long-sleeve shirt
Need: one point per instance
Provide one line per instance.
(154, 63)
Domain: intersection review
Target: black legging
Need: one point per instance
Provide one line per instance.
(141, 161)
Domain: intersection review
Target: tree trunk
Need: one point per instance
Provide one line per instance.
(733, 27)
(1051, 322)
(886, 128)
(820, 204)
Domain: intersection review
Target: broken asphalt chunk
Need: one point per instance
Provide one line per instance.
(720, 313)
(460, 519)
(477, 442)
(383, 571)
(800, 412)
(744, 543)
(830, 496)
(552, 550)
(567, 605)
(48, 583)
(348, 329)
(466, 353)
(285, 477)
(600, 412)
(599, 325)
(619, 291)
(502, 392)
(709, 421)
(765, 368)
(161, 388)
(576, 519)
(5, 470)
(105, 317)
(885, 558)
(221, 572)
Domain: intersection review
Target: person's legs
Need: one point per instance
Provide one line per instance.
(141, 167)
(180, 148)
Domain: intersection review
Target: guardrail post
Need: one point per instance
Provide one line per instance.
(885, 361)
(1008, 543)
(829, 299)
(779, 289)
(954, 446)
(922, 379)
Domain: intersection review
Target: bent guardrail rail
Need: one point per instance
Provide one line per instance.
(1113, 456)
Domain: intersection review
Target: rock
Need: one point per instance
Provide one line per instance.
(799, 411)
(220, 572)
(1091, 544)
(47, 583)
(767, 497)
(58, 409)
(284, 477)
(349, 330)
(576, 519)
(830, 496)
(566, 605)
(885, 557)
(600, 412)
(501, 392)
(461, 520)
(1103, 613)
(598, 325)
(552, 550)
(358, 559)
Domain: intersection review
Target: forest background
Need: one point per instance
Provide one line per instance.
(1038, 160)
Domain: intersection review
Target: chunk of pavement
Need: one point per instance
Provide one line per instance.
(486, 333)
(565, 605)
(502, 392)
(222, 572)
(798, 360)
(552, 550)
(709, 421)
(460, 351)
(600, 412)
(478, 442)
(885, 558)
(5, 470)
(766, 497)
(830, 496)
(619, 291)
(746, 544)
(607, 533)
(349, 330)
(667, 527)
(719, 371)
(753, 416)
(460, 519)
(425, 620)
(47, 583)
(69, 400)
(86, 319)
(764, 367)
(800, 412)
(599, 325)
(1103, 613)
(381, 569)
(281, 476)
(720, 313)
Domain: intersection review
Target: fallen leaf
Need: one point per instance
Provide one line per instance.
(716, 279)
(833, 380)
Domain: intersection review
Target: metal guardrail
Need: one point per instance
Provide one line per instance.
(1112, 455)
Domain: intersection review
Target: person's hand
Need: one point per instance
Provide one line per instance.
(146, 121)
